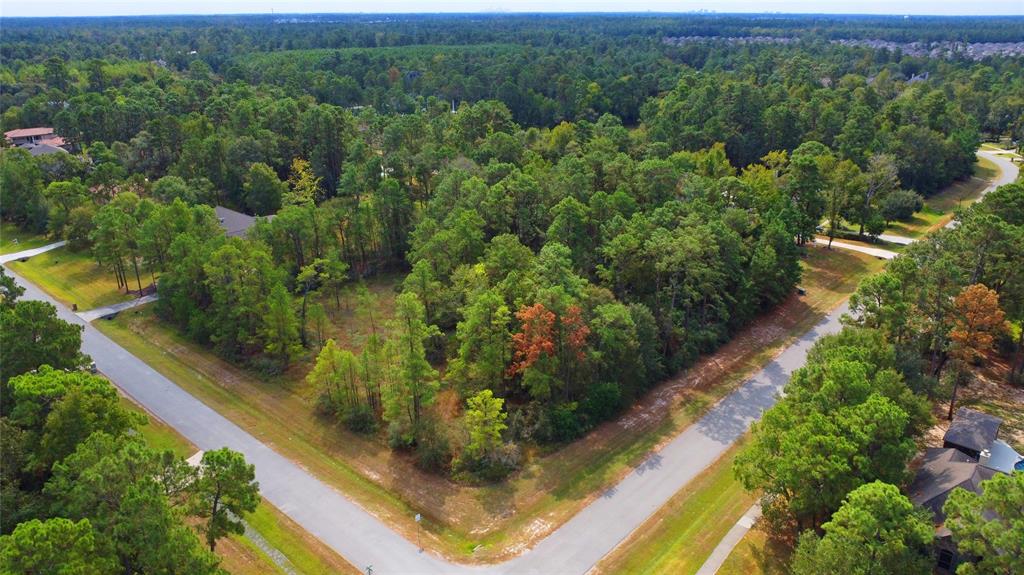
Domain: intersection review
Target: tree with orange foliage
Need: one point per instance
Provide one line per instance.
(536, 338)
(547, 335)
(979, 319)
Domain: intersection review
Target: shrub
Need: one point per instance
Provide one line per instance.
(901, 205)
(603, 401)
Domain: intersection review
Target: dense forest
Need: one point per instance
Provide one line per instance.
(578, 208)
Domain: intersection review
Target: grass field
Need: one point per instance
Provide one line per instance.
(12, 239)
(73, 278)
(240, 555)
(491, 522)
(939, 208)
(679, 537)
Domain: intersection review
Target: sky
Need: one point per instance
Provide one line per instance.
(145, 7)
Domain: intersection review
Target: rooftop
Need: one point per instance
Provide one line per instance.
(28, 132)
(40, 149)
(973, 429)
(235, 224)
(943, 470)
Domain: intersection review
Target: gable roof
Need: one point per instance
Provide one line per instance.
(973, 430)
(235, 224)
(943, 470)
(28, 132)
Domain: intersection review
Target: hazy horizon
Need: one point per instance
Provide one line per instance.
(76, 8)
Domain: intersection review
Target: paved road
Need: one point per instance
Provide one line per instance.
(97, 313)
(364, 540)
(895, 239)
(1008, 173)
(29, 253)
(877, 252)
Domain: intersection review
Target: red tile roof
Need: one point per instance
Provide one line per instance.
(28, 132)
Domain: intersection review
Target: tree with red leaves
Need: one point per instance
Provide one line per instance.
(536, 338)
(546, 335)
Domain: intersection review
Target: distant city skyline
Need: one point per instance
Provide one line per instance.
(12, 8)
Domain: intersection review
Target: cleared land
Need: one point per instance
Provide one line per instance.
(240, 555)
(464, 521)
(74, 278)
(12, 239)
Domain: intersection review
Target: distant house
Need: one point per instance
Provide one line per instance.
(971, 453)
(235, 224)
(37, 141)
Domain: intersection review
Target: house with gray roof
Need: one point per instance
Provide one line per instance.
(972, 431)
(235, 224)
(971, 454)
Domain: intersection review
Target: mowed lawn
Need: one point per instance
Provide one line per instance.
(240, 555)
(13, 239)
(489, 522)
(757, 554)
(679, 537)
(74, 278)
(939, 208)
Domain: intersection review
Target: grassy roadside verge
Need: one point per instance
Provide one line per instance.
(939, 208)
(681, 535)
(13, 239)
(73, 278)
(484, 523)
(240, 556)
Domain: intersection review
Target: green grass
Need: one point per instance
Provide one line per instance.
(158, 434)
(13, 239)
(307, 554)
(757, 554)
(295, 544)
(939, 208)
(73, 278)
(681, 536)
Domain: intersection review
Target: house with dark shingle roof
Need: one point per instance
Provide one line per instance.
(971, 454)
(972, 431)
(235, 224)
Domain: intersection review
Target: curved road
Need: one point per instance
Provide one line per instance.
(364, 540)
